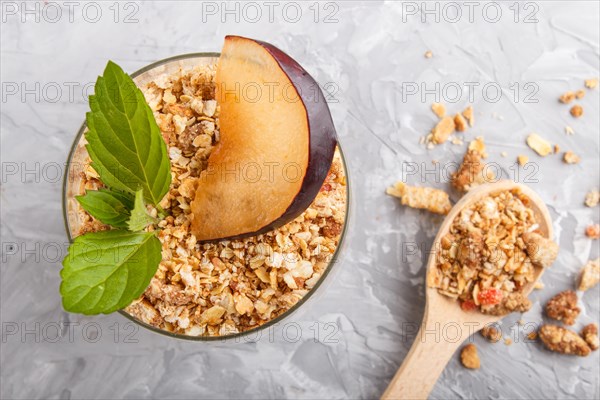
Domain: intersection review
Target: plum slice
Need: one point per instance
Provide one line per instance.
(276, 148)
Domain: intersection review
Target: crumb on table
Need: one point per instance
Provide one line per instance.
(469, 357)
(590, 334)
(562, 340)
(430, 199)
(589, 275)
(491, 333)
(563, 307)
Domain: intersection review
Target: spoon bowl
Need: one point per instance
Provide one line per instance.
(445, 324)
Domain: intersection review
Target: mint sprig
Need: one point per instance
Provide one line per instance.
(139, 217)
(107, 206)
(124, 141)
(105, 271)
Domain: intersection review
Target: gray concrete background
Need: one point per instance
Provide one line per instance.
(356, 332)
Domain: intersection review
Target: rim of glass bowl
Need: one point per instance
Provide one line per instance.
(207, 338)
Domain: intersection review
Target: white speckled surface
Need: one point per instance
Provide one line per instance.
(373, 52)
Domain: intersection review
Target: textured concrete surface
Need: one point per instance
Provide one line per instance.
(349, 340)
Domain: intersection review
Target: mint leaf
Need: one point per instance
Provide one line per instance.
(109, 207)
(106, 271)
(139, 215)
(124, 141)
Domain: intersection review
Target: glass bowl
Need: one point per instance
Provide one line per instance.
(72, 187)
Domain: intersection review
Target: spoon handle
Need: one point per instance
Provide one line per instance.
(424, 363)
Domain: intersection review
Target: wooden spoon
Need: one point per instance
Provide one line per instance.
(445, 325)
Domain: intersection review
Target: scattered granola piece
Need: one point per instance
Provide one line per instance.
(508, 341)
(457, 141)
(438, 109)
(562, 340)
(539, 285)
(592, 198)
(504, 154)
(434, 200)
(532, 335)
(556, 149)
(522, 160)
(443, 130)
(428, 54)
(576, 111)
(460, 123)
(469, 357)
(567, 97)
(591, 83)
(590, 275)
(468, 114)
(472, 171)
(563, 307)
(541, 251)
(579, 94)
(571, 158)
(569, 130)
(590, 335)
(539, 145)
(593, 231)
(491, 333)
(479, 146)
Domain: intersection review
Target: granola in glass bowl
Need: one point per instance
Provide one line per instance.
(222, 288)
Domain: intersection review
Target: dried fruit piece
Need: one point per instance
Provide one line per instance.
(590, 335)
(522, 160)
(434, 200)
(491, 333)
(438, 109)
(563, 307)
(593, 231)
(468, 114)
(489, 297)
(460, 123)
(468, 305)
(539, 145)
(541, 251)
(576, 111)
(563, 341)
(590, 275)
(571, 158)
(580, 94)
(469, 357)
(567, 97)
(443, 130)
(591, 83)
(592, 198)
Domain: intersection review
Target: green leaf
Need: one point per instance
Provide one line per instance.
(105, 271)
(124, 141)
(110, 207)
(139, 215)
